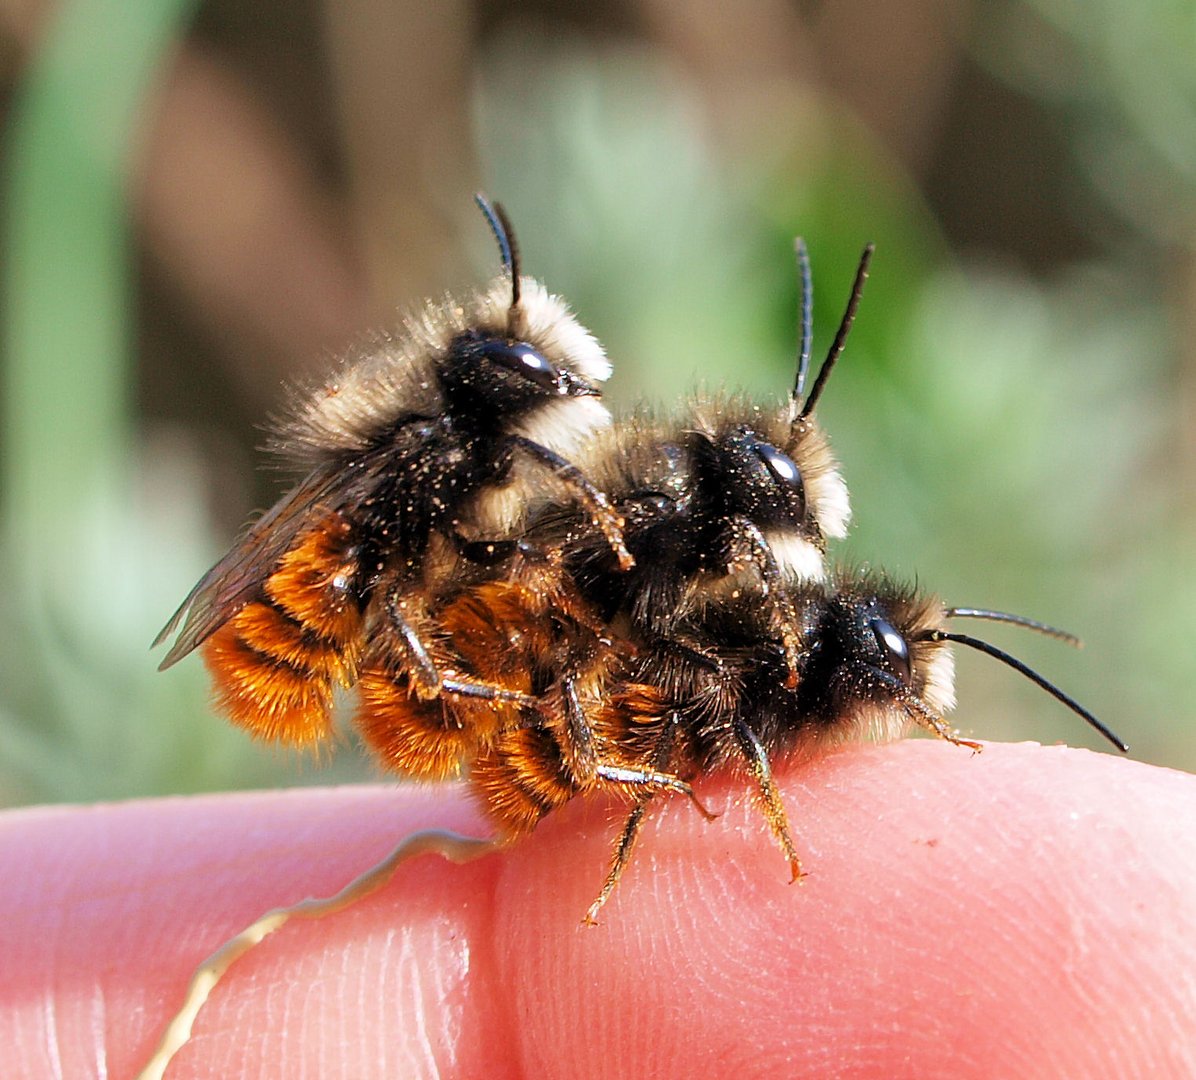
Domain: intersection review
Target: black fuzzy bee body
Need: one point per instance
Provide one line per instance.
(555, 605)
(735, 497)
(422, 453)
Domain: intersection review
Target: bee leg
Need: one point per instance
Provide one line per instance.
(774, 810)
(747, 539)
(661, 758)
(583, 753)
(427, 678)
(944, 731)
(691, 653)
(587, 765)
(487, 692)
(620, 859)
(649, 778)
(604, 516)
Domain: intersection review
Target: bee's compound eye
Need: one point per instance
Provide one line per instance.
(782, 467)
(650, 504)
(522, 359)
(892, 646)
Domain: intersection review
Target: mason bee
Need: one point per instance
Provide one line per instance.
(667, 615)
(645, 719)
(735, 501)
(664, 613)
(733, 497)
(874, 661)
(697, 498)
(420, 456)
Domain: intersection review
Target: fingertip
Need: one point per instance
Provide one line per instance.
(978, 913)
(975, 914)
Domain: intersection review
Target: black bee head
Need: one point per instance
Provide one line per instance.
(505, 378)
(860, 652)
(521, 353)
(738, 474)
(873, 651)
(744, 486)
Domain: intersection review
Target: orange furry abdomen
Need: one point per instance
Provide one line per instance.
(429, 735)
(276, 662)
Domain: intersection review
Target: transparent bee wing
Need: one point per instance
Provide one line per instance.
(231, 583)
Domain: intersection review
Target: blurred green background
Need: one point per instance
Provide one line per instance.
(203, 202)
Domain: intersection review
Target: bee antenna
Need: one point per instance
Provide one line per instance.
(1016, 620)
(1034, 677)
(853, 302)
(806, 317)
(500, 225)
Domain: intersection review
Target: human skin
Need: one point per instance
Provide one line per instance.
(1026, 912)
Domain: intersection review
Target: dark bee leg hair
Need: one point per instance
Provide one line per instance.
(691, 652)
(857, 289)
(805, 317)
(774, 810)
(586, 764)
(596, 503)
(746, 534)
(1034, 677)
(500, 225)
(427, 677)
(661, 758)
